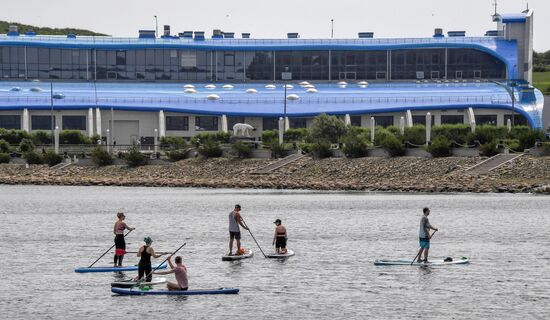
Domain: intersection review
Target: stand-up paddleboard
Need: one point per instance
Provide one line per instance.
(115, 269)
(145, 291)
(132, 283)
(440, 262)
(247, 254)
(274, 255)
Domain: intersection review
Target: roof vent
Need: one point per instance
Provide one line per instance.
(199, 35)
(229, 35)
(147, 34)
(13, 30)
(366, 35)
(166, 30)
(293, 35)
(491, 33)
(186, 34)
(438, 33)
(30, 33)
(456, 33)
(245, 35)
(71, 36)
(217, 34)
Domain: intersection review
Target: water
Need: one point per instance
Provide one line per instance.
(48, 231)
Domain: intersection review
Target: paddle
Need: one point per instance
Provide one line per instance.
(109, 249)
(254, 238)
(158, 266)
(420, 251)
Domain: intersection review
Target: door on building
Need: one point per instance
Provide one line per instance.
(126, 132)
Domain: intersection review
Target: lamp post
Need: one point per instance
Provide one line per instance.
(56, 138)
(56, 96)
(510, 89)
(108, 139)
(156, 27)
(331, 28)
(156, 138)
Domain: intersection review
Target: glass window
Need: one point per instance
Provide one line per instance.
(297, 123)
(486, 119)
(355, 121)
(74, 122)
(41, 122)
(177, 123)
(270, 123)
(519, 120)
(452, 119)
(422, 120)
(383, 121)
(10, 122)
(206, 123)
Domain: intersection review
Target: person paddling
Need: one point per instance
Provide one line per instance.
(280, 237)
(424, 236)
(145, 253)
(180, 271)
(235, 220)
(120, 243)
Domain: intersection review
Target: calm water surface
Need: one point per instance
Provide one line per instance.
(48, 231)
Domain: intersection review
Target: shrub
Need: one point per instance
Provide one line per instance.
(26, 145)
(355, 143)
(487, 133)
(242, 149)
(134, 158)
(73, 137)
(328, 128)
(176, 155)
(101, 157)
(41, 137)
(295, 135)
(4, 146)
(270, 136)
(33, 158)
(415, 134)
(306, 147)
(517, 131)
(5, 158)
(210, 149)
(527, 139)
(14, 137)
(453, 132)
(546, 149)
(95, 138)
(321, 149)
(51, 158)
(171, 143)
(277, 150)
(440, 147)
(489, 149)
(220, 137)
(393, 145)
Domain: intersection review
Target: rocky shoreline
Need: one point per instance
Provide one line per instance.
(405, 174)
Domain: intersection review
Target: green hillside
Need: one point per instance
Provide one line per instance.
(4, 25)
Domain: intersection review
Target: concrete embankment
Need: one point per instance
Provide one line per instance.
(527, 174)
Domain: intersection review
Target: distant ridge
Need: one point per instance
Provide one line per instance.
(45, 30)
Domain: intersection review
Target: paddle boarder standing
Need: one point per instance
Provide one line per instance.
(180, 271)
(120, 243)
(280, 237)
(145, 253)
(424, 236)
(235, 220)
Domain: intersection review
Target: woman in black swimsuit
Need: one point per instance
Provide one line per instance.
(145, 253)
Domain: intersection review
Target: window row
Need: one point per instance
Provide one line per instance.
(44, 122)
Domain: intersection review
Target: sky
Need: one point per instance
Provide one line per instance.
(273, 19)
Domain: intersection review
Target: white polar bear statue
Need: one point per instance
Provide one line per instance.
(242, 129)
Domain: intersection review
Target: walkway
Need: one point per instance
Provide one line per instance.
(492, 163)
(281, 163)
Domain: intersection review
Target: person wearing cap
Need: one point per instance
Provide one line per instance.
(145, 253)
(235, 220)
(280, 237)
(120, 243)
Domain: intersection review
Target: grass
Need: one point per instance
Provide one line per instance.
(541, 81)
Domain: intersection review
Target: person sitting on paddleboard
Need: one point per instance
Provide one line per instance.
(180, 271)
(235, 220)
(279, 239)
(424, 235)
(145, 253)
(120, 243)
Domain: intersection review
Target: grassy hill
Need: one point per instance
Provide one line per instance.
(4, 25)
(541, 81)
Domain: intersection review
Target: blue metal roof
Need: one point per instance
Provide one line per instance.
(330, 98)
(513, 17)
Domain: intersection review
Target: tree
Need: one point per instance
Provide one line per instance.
(327, 128)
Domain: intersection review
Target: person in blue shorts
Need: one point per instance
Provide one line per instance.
(424, 236)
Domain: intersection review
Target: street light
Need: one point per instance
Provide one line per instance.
(57, 96)
(108, 139)
(156, 27)
(156, 138)
(331, 28)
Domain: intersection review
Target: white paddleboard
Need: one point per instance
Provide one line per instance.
(132, 283)
(247, 254)
(274, 255)
(438, 262)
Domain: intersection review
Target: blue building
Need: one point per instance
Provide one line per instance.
(138, 88)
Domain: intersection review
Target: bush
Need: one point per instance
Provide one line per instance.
(306, 147)
(380, 134)
(356, 143)
(210, 149)
(415, 134)
(5, 158)
(73, 137)
(327, 128)
(4, 146)
(26, 145)
(172, 143)
(321, 149)
(394, 146)
(33, 158)
(242, 149)
(295, 135)
(453, 132)
(220, 137)
(14, 137)
(440, 147)
(51, 158)
(96, 137)
(101, 157)
(41, 137)
(134, 158)
(489, 149)
(487, 133)
(517, 131)
(546, 149)
(527, 139)
(278, 150)
(176, 155)
(270, 136)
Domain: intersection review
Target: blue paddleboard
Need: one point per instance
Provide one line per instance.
(114, 269)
